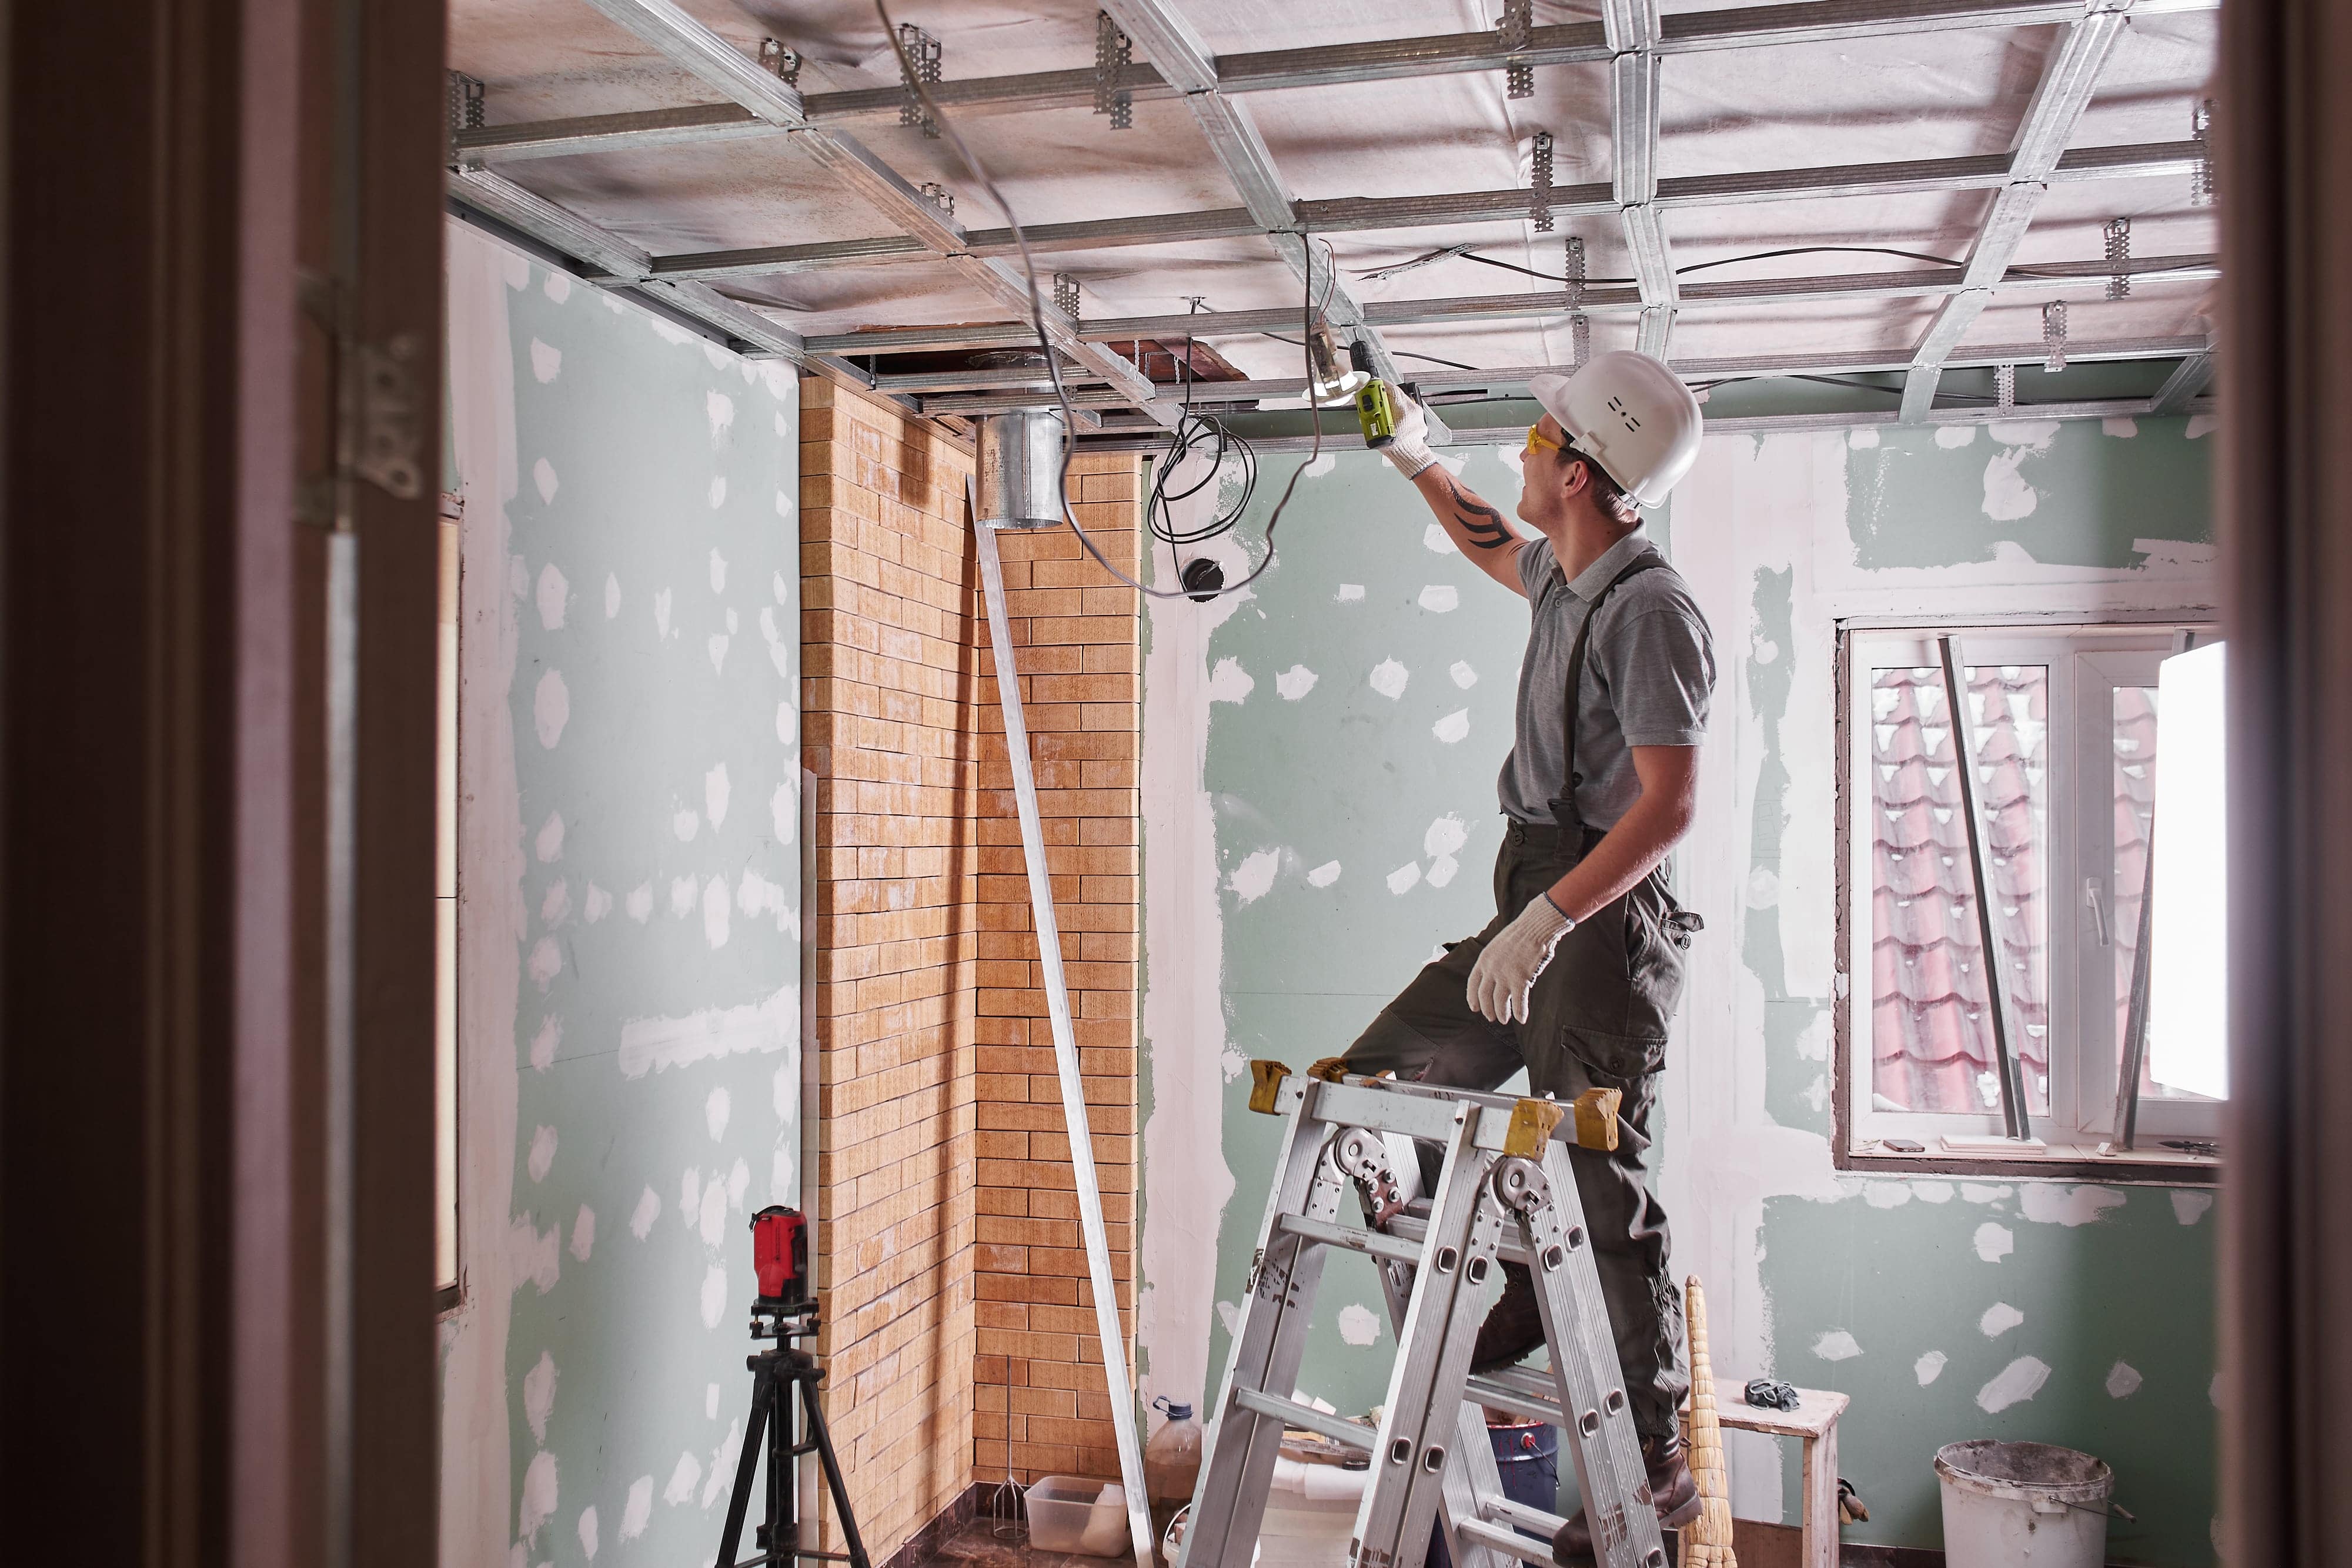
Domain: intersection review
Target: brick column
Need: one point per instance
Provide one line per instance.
(889, 583)
(1041, 1403)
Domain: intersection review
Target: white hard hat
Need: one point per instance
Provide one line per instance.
(1631, 415)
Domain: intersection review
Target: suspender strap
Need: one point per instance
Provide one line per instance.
(1645, 561)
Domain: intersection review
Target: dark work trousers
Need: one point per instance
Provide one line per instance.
(1599, 1014)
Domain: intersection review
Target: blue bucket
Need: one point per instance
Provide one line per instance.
(1528, 1459)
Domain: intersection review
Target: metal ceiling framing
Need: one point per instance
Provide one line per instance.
(1631, 38)
(2065, 92)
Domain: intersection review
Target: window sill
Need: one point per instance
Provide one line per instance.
(2151, 1163)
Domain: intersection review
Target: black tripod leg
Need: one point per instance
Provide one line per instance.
(833, 1480)
(763, 1399)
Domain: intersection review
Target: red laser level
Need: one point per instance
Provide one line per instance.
(780, 1255)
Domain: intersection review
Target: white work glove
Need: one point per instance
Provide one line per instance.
(1409, 448)
(1507, 970)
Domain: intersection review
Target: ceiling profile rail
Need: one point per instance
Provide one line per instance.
(1360, 213)
(2068, 80)
(1814, 21)
(2184, 385)
(1183, 60)
(695, 49)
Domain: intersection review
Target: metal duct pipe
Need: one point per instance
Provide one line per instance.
(1021, 468)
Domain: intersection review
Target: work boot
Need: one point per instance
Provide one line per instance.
(1513, 1324)
(1671, 1487)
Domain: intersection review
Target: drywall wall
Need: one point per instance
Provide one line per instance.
(629, 889)
(1319, 814)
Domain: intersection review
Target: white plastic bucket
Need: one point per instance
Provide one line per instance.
(2022, 1505)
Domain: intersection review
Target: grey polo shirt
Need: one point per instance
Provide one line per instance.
(1649, 671)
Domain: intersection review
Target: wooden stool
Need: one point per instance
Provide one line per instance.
(1815, 1420)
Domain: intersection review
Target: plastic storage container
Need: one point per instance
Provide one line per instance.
(2022, 1505)
(1069, 1513)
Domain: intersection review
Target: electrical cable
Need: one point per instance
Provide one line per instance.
(987, 182)
(1393, 354)
(1694, 267)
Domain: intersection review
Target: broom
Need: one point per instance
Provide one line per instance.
(1705, 1542)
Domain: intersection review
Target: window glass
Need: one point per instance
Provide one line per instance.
(1931, 1026)
(2188, 994)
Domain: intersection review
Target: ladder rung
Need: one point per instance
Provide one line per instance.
(1503, 1510)
(1414, 1228)
(1508, 1542)
(1332, 1235)
(1338, 1428)
(1501, 1395)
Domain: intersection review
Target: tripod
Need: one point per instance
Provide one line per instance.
(776, 1373)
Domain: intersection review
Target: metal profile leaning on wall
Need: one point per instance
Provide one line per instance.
(1579, 971)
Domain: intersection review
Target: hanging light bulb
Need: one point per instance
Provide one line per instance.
(1334, 382)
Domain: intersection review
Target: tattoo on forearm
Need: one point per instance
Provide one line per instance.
(1482, 522)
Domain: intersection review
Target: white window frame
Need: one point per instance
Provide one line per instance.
(2085, 663)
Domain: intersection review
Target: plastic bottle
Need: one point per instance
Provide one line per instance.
(1171, 1460)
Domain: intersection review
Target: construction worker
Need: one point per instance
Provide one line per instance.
(1577, 973)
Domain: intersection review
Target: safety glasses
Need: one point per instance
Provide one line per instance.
(1539, 442)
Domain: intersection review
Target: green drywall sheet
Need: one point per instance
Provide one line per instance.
(1304, 775)
(654, 702)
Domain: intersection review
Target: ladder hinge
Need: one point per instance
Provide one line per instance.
(387, 432)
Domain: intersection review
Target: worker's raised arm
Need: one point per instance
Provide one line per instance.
(1474, 525)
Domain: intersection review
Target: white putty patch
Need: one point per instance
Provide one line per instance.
(539, 1489)
(1763, 888)
(711, 1215)
(2055, 1203)
(583, 1233)
(648, 1210)
(514, 268)
(661, 614)
(683, 1480)
(738, 1182)
(546, 962)
(1229, 683)
(721, 408)
(1929, 1367)
(1254, 875)
(2122, 1380)
(542, 1152)
(1950, 435)
(557, 285)
(715, 1111)
(549, 845)
(1436, 539)
(717, 648)
(1446, 836)
(1324, 875)
(685, 821)
(517, 576)
(2037, 434)
(715, 911)
(1438, 598)
(1933, 1191)
(545, 360)
(1389, 678)
(1357, 1325)
(539, 1395)
(1453, 727)
(638, 1511)
(596, 905)
(722, 1465)
(1295, 682)
(651, 1044)
(2018, 1382)
(543, 1043)
(1837, 1345)
(714, 1295)
(1442, 871)
(682, 893)
(587, 1532)
(550, 709)
(714, 795)
(717, 491)
(1323, 463)
(1862, 440)
(1978, 1192)
(784, 813)
(2124, 428)
(1887, 1194)
(611, 595)
(1994, 1242)
(1998, 1319)
(2201, 426)
(1463, 675)
(542, 474)
(718, 572)
(787, 725)
(2008, 498)
(555, 903)
(1405, 878)
(689, 1197)
(641, 901)
(1349, 594)
(2189, 1206)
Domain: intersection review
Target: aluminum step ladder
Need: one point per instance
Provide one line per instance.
(1505, 1192)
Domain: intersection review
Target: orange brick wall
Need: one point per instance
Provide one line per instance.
(1042, 1406)
(887, 585)
(959, 1337)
